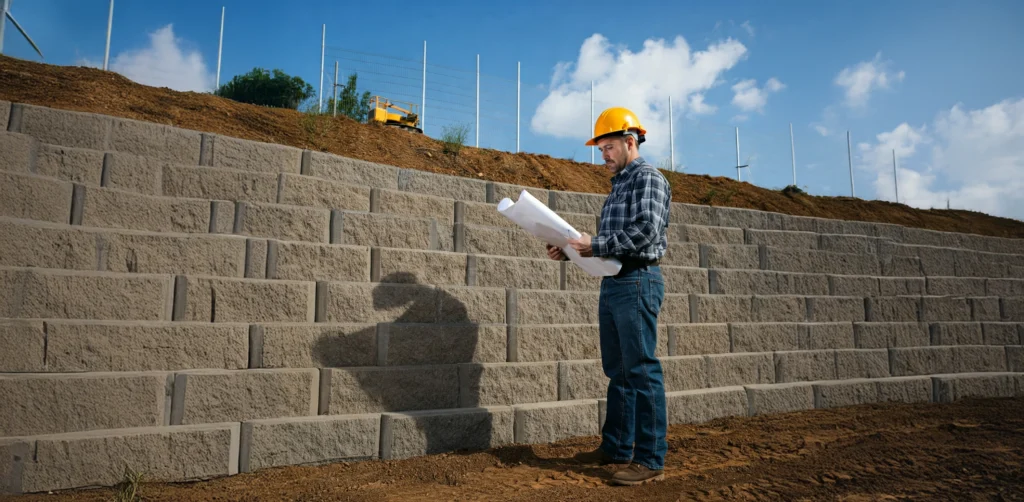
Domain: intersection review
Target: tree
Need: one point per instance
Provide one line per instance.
(262, 87)
(350, 103)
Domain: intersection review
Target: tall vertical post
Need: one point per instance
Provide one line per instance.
(220, 45)
(895, 178)
(589, 129)
(423, 99)
(671, 138)
(849, 158)
(738, 177)
(478, 101)
(323, 47)
(335, 88)
(110, 26)
(792, 151)
(5, 5)
(519, 68)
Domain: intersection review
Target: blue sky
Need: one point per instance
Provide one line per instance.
(936, 81)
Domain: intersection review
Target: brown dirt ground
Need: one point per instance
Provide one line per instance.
(93, 90)
(970, 450)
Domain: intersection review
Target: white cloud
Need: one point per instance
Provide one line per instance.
(165, 63)
(822, 130)
(749, 98)
(641, 81)
(747, 26)
(975, 158)
(860, 80)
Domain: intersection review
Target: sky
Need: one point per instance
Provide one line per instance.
(931, 82)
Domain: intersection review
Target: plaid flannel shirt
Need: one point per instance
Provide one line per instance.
(635, 215)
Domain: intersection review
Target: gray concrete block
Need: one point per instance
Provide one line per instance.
(901, 286)
(22, 347)
(47, 245)
(1012, 308)
(14, 454)
(725, 370)
(764, 337)
(212, 299)
(298, 190)
(684, 280)
(32, 197)
(99, 346)
(781, 238)
(905, 389)
(858, 228)
(791, 283)
(319, 345)
(574, 278)
(37, 404)
(951, 388)
(306, 261)
(64, 127)
(729, 256)
(945, 309)
(98, 458)
(364, 229)
(849, 244)
(133, 173)
(77, 165)
(1015, 359)
(279, 442)
(850, 285)
(427, 344)
(549, 422)
(913, 361)
(518, 273)
(893, 309)
(5, 113)
(745, 218)
(901, 266)
(488, 384)
(684, 373)
(499, 191)
(986, 309)
(845, 393)
(424, 267)
(820, 336)
(109, 208)
(196, 254)
(556, 307)
(20, 152)
(441, 209)
(413, 434)
(172, 144)
(742, 282)
(477, 239)
(721, 308)
(473, 305)
(778, 308)
(937, 261)
(979, 358)
(804, 365)
(861, 363)
(955, 286)
(699, 339)
(812, 261)
(438, 185)
(974, 264)
(699, 406)
(344, 302)
(394, 388)
(284, 222)
(32, 293)
(581, 379)
(557, 342)
(1004, 287)
(258, 156)
(705, 235)
(800, 223)
(1000, 333)
(212, 396)
(956, 333)
(871, 335)
(889, 231)
(687, 214)
(682, 254)
(779, 398)
(926, 237)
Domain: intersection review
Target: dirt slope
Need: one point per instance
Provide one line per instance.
(92, 90)
(971, 450)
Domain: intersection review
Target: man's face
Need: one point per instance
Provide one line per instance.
(615, 152)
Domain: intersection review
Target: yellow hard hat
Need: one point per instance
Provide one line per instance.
(617, 120)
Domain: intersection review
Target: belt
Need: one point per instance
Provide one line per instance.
(632, 264)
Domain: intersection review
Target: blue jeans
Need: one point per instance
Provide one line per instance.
(636, 420)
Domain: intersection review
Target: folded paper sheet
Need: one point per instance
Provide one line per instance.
(547, 226)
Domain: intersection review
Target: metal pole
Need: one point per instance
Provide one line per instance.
(519, 68)
(3, 22)
(738, 177)
(335, 93)
(849, 158)
(591, 118)
(220, 45)
(792, 151)
(671, 138)
(323, 46)
(895, 179)
(478, 101)
(423, 99)
(110, 25)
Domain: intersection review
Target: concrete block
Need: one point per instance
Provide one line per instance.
(5, 113)
(850, 285)
(742, 282)
(499, 191)
(279, 442)
(1015, 359)
(781, 238)
(812, 261)
(173, 144)
(779, 398)
(320, 345)
(403, 203)
(27, 293)
(257, 156)
(901, 286)
(937, 262)
(764, 337)
(804, 365)
(519, 273)
(684, 373)
(861, 363)
(689, 214)
(706, 235)
(202, 182)
(685, 280)
(46, 245)
(488, 384)
(341, 302)
(303, 261)
(74, 346)
(38, 404)
(726, 370)
(222, 216)
(78, 165)
(956, 333)
(791, 283)
(14, 454)
(1004, 287)
(555, 307)
(32, 197)
(353, 171)
(581, 379)
(1012, 309)
(978, 358)
(109, 208)
(901, 266)
(298, 190)
(681, 254)
(413, 434)
(836, 308)
(582, 203)
(477, 239)
(699, 339)
(951, 388)
(952, 286)
(986, 309)
(925, 237)
(438, 185)
(699, 406)
(549, 422)
(199, 254)
(845, 393)
(675, 309)
(22, 346)
(133, 173)
(473, 305)
(912, 361)
(365, 229)
(858, 228)
(1000, 333)
(973, 264)
(905, 389)
(849, 244)
(98, 458)
(889, 231)
(556, 342)
(799, 223)
(426, 344)
(745, 218)
(721, 308)
(778, 309)
(820, 336)
(284, 222)
(21, 152)
(416, 266)
(893, 309)
(63, 127)
(870, 335)
(211, 396)
(575, 279)
(726, 256)
(212, 299)
(394, 388)
(945, 309)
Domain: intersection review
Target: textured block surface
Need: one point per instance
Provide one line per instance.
(698, 406)
(308, 440)
(23, 346)
(256, 156)
(120, 209)
(57, 294)
(396, 388)
(211, 396)
(249, 300)
(308, 191)
(33, 197)
(353, 171)
(405, 435)
(550, 422)
(779, 398)
(202, 182)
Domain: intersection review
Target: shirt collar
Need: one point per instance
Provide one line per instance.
(626, 171)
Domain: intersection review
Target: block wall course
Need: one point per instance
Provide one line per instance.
(34, 197)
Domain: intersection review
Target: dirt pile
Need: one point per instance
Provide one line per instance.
(93, 90)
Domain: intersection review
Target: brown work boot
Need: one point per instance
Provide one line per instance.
(596, 456)
(636, 474)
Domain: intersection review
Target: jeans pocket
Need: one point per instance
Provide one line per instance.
(652, 293)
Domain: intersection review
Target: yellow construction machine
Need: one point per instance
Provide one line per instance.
(407, 117)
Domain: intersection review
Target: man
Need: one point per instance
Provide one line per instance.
(632, 229)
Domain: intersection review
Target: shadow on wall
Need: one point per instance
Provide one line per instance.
(418, 361)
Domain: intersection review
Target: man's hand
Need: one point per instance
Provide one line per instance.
(582, 246)
(555, 253)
